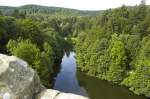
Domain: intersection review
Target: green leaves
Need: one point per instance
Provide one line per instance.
(123, 57)
(28, 29)
(40, 61)
(117, 60)
(25, 50)
(138, 80)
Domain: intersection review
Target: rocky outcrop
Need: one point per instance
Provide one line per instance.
(19, 81)
(54, 94)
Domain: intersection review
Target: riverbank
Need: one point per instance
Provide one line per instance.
(70, 79)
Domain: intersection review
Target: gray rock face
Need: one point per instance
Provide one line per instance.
(54, 94)
(17, 80)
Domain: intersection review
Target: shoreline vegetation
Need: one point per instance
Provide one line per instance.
(116, 48)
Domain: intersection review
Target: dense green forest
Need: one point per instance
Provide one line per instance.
(117, 48)
(112, 45)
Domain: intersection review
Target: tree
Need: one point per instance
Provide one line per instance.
(139, 79)
(140, 12)
(40, 61)
(1, 12)
(25, 50)
(29, 29)
(47, 55)
(17, 14)
(117, 62)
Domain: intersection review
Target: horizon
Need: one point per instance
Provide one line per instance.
(75, 4)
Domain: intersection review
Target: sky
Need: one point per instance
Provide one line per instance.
(75, 4)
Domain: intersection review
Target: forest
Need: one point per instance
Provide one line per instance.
(111, 45)
(116, 48)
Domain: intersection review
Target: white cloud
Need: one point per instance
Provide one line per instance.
(76, 4)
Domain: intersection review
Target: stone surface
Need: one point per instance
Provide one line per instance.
(54, 94)
(17, 80)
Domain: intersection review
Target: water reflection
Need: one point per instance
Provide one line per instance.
(99, 89)
(66, 80)
(69, 79)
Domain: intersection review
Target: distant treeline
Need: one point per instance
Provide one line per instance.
(45, 11)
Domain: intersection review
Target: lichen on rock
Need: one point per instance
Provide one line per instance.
(17, 79)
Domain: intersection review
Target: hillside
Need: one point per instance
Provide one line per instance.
(46, 11)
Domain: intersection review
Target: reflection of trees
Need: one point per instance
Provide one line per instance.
(56, 70)
(67, 53)
(68, 46)
(79, 77)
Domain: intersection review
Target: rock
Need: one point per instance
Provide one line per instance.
(48, 94)
(54, 94)
(17, 80)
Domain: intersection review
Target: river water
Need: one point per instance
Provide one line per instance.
(71, 80)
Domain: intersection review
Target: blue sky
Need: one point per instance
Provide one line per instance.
(76, 4)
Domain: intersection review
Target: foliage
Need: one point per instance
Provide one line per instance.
(117, 61)
(115, 47)
(31, 53)
(30, 40)
(138, 80)
(25, 50)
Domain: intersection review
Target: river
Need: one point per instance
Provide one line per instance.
(71, 80)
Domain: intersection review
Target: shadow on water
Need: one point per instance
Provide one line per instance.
(99, 89)
(68, 79)
(56, 70)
